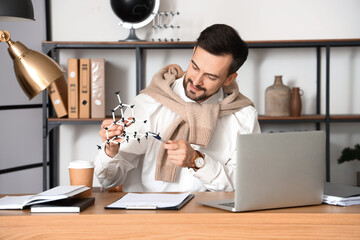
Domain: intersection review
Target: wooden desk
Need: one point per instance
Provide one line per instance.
(191, 222)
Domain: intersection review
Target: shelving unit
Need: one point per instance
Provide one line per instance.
(51, 124)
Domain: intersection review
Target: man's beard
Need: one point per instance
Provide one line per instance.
(192, 95)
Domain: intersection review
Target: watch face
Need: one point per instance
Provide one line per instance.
(199, 162)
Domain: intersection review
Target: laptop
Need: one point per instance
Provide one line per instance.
(277, 170)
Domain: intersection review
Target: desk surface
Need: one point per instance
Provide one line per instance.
(193, 221)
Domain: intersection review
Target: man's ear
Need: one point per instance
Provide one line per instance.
(230, 79)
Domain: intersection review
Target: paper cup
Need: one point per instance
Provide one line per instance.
(81, 173)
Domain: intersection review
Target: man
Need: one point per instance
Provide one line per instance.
(198, 114)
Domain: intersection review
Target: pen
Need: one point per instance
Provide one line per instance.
(157, 136)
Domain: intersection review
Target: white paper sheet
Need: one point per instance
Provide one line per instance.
(149, 200)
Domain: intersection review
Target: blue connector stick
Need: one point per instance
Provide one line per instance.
(156, 136)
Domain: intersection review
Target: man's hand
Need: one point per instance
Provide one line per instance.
(180, 153)
(115, 130)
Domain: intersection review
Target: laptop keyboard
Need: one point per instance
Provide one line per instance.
(230, 204)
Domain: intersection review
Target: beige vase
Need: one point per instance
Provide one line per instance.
(277, 99)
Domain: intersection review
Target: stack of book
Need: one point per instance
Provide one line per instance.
(58, 199)
(83, 96)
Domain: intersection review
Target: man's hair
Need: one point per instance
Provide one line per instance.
(221, 39)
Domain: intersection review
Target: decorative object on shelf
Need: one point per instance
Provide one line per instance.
(29, 68)
(277, 99)
(349, 154)
(135, 14)
(164, 28)
(295, 102)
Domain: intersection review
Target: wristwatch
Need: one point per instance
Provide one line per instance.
(199, 160)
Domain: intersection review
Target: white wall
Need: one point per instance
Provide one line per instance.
(93, 20)
(21, 130)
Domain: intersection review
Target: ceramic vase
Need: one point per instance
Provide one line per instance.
(277, 99)
(295, 102)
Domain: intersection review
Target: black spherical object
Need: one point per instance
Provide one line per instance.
(133, 11)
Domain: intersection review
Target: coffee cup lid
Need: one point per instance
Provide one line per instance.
(81, 164)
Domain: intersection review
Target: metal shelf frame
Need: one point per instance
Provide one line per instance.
(50, 125)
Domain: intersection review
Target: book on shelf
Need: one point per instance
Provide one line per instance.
(68, 205)
(341, 195)
(97, 88)
(84, 88)
(53, 194)
(73, 88)
(58, 95)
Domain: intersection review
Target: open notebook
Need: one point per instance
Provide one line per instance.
(53, 194)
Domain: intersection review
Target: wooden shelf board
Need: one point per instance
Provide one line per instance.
(193, 42)
(53, 119)
(345, 116)
(118, 43)
(303, 117)
(261, 118)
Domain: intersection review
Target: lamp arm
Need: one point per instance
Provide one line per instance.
(5, 37)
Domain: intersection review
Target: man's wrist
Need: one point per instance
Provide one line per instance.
(198, 160)
(111, 152)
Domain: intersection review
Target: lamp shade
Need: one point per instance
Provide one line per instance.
(34, 70)
(16, 9)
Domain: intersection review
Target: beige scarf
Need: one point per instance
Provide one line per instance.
(196, 122)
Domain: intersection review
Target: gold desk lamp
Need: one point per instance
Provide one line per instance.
(34, 70)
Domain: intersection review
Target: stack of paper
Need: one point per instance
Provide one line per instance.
(341, 195)
(341, 201)
(170, 201)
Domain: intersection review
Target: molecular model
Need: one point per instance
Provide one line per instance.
(129, 133)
